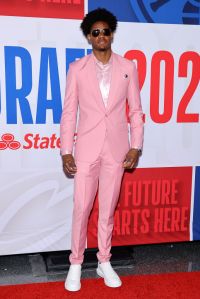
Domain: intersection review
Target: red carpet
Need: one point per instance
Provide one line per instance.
(174, 285)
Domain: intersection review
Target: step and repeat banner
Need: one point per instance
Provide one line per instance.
(160, 200)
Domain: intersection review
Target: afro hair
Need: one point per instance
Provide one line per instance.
(98, 15)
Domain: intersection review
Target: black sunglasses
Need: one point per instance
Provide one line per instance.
(105, 31)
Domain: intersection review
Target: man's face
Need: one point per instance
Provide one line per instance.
(103, 40)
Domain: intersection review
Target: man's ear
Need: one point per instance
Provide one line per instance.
(112, 36)
(89, 38)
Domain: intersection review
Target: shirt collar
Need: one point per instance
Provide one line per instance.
(100, 64)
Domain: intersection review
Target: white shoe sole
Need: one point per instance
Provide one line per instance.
(116, 285)
(72, 289)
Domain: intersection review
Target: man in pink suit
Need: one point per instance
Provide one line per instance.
(99, 85)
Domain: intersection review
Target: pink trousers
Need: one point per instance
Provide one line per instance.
(107, 173)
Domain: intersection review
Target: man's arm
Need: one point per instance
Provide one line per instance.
(136, 120)
(68, 122)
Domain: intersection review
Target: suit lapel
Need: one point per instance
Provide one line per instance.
(93, 82)
(115, 76)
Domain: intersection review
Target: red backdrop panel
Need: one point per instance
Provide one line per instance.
(154, 207)
(66, 9)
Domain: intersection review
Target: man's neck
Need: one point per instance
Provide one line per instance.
(103, 56)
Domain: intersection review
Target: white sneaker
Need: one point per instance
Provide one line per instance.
(72, 282)
(111, 279)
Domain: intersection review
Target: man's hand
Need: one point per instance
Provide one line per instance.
(131, 158)
(69, 165)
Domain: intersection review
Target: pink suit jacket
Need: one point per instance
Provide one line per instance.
(96, 120)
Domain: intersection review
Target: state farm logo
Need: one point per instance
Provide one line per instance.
(30, 141)
(7, 141)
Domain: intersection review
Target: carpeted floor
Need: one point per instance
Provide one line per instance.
(160, 286)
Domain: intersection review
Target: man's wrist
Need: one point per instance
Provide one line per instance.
(66, 152)
(137, 149)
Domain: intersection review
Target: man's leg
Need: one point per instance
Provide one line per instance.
(85, 188)
(110, 177)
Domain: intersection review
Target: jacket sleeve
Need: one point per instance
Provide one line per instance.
(135, 110)
(69, 113)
